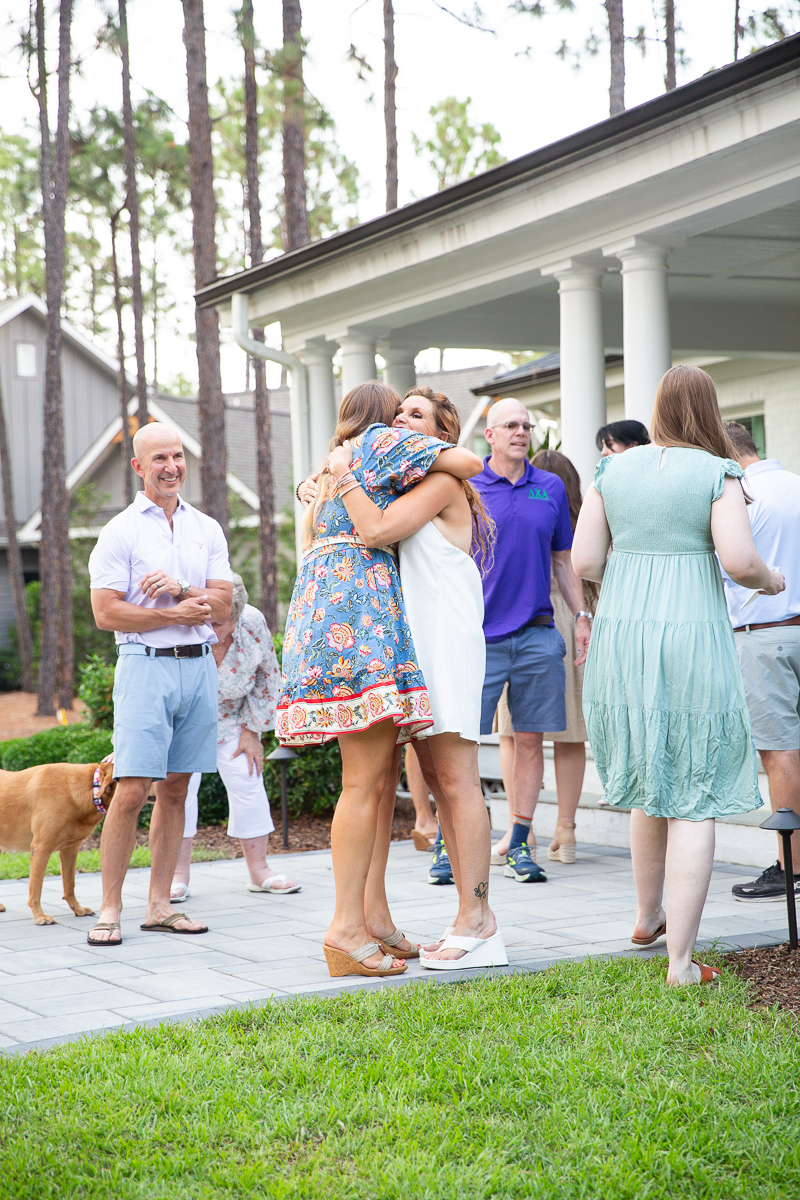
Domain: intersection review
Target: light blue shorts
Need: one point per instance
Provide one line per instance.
(531, 661)
(165, 714)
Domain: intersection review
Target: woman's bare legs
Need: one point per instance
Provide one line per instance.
(367, 765)
(689, 860)
(648, 854)
(182, 867)
(376, 907)
(465, 825)
(507, 771)
(425, 821)
(680, 853)
(570, 764)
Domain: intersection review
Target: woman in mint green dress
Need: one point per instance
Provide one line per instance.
(662, 694)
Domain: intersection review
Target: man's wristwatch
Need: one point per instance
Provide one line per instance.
(185, 586)
(588, 615)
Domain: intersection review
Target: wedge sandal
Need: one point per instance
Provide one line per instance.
(389, 945)
(562, 847)
(341, 963)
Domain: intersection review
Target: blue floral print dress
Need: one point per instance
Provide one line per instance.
(348, 658)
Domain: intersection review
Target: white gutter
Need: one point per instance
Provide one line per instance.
(298, 396)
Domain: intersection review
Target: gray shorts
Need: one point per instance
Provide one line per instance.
(770, 662)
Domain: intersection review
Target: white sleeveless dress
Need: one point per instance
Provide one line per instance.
(444, 605)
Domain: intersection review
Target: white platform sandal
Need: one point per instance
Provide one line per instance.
(267, 886)
(480, 952)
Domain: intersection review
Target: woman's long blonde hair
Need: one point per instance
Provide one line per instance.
(370, 403)
(448, 428)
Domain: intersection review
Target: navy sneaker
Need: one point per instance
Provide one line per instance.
(440, 870)
(770, 885)
(520, 866)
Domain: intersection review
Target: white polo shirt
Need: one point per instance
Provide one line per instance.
(775, 520)
(139, 541)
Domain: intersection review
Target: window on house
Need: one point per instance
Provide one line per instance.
(26, 360)
(755, 427)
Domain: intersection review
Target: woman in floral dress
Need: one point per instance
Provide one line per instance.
(349, 665)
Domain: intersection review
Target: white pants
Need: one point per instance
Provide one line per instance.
(248, 806)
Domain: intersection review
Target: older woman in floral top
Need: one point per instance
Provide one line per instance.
(249, 683)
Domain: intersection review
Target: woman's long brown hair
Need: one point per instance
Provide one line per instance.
(448, 425)
(370, 403)
(687, 413)
(558, 464)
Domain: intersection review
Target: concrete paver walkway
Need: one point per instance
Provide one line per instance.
(55, 987)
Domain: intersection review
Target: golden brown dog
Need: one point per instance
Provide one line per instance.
(49, 808)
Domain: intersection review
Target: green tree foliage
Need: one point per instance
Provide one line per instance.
(458, 149)
(21, 243)
(331, 177)
(96, 690)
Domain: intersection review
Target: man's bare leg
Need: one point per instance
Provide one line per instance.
(783, 772)
(166, 835)
(116, 846)
(507, 771)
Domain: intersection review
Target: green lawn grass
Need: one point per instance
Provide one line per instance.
(17, 865)
(589, 1081)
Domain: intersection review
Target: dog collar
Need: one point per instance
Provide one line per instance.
(97, 787)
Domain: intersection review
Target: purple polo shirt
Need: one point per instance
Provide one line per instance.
(532, 518)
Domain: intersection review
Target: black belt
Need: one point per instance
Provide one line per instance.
(177, 651)
(540, 620)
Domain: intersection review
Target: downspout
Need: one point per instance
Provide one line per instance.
(298, 399)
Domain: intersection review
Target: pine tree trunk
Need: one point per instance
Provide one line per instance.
(737, 31)
(389, 104)
(122, 383)
(15, 571)
(213, 466)
(670, 78)
(132, 205)
(55, 562)
(294, 130)
(266, 486)
(616, 37)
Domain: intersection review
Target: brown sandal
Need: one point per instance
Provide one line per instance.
(341, 963)
(423, 841)
(389, 945)
(707, 974)
(168, 925)
(648, 941)
(111, 926)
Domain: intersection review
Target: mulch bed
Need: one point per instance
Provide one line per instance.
(305, 833)
(774, 973)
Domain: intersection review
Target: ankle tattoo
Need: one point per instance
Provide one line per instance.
(482, 891)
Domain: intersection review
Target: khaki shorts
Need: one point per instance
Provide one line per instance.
(770, 662)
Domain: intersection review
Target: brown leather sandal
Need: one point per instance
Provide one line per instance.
(707, 974)
(423, 841)
(648, 941)
(390, 944)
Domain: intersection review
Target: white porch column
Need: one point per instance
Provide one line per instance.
(583, 368)
(400, 370)
(358, 360)
(321, 399)
(645, 324)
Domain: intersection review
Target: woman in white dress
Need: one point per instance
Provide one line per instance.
(436, 524)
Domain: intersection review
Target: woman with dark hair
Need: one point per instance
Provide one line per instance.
(620, 436)
(437, 524)
(663, 693)
(349, 666)
(569, 745)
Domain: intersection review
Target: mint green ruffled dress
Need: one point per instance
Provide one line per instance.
(662, 693)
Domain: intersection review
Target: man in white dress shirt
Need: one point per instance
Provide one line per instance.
(160, 573)
(768, 642)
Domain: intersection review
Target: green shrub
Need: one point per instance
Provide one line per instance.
(65, 743)
(314, 778)
(96, 691)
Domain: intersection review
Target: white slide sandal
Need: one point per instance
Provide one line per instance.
(480, 952)
(267, 886)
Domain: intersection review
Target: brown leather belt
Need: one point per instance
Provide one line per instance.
(768, 625)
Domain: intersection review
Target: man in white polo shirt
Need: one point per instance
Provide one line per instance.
(767, 634)
(159, 573)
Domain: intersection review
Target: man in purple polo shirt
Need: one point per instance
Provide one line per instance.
(523, 647)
